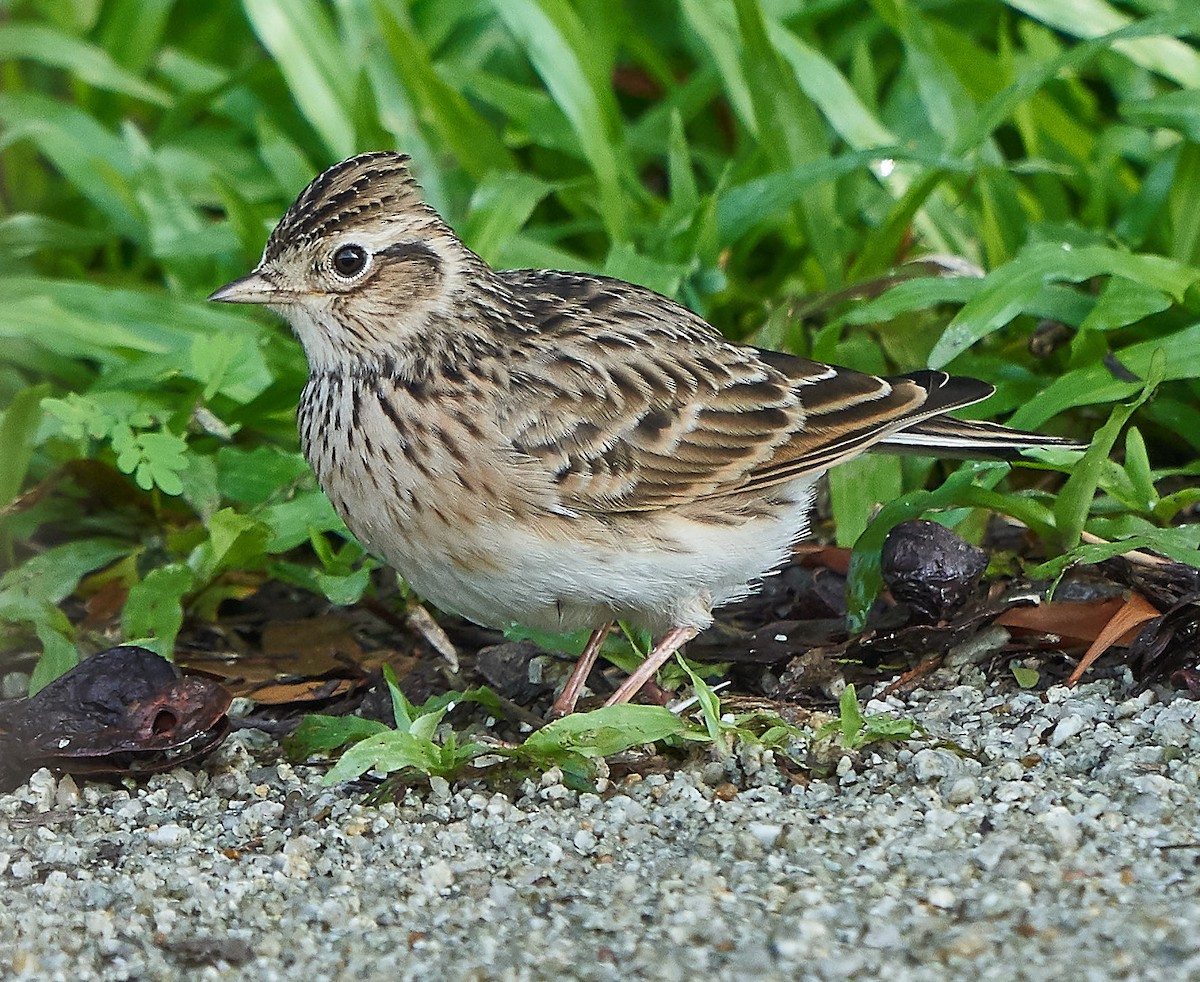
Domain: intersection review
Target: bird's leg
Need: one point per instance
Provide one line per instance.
(670, 643)
(565, 703)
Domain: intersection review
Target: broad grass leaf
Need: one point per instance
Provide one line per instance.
(500, 206)
(1073, 58)
(292, 522)
(857, 487)
(133, 31)
(344, 589)
(1174, 543)
(831, 92)
(321, 734)
(52, 575)
(616, 649)
(153, 613)
(533, 118)
(1183, 193)
(18, 428)
(1123, 302)
(86, 62)
(199, 480)
(1095, 383)
(1074, 501)
(557, 44)
(798, 135)
(59, 655)
(606, 731)
(715, 25)
(1168, 56)
(459, 128)
(941, 92)
(481, 695)
(625, 263)
(922, 293)
(255, 476)
(764, 200)
(320, 75)
(709, 701)
(850, 717)
(287, 163)
(386, 753)
(1026, 678)
(1013, 288)
(681, 180)
(234, 540)
(107, 323)
(1178, 110)
(1137, 467)
(25, 234)
(403, 711)
(94, 162)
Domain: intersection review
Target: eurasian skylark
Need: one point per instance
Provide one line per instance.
(560, 450)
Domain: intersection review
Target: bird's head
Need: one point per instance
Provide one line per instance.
(357, 264)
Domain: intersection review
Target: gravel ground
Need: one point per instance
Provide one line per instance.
(1062, 846)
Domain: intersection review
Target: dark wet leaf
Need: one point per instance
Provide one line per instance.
(1169, 646)
(773, 642)
(920, 641)
(1164, 584)
(812, 673)
(123, 711)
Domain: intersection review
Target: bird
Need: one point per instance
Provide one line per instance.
(561, 450)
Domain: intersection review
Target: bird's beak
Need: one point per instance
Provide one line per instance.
(251, 288)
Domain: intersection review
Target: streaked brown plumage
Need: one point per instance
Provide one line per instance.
(559, 449)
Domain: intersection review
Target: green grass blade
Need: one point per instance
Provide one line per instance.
(1168, 56)
(459, 128)
(1015, 287)
(556, 42)
(18, 427)
(301, 38)
(1074, 501)
(86, 62)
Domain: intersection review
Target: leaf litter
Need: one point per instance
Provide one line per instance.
(384, 685)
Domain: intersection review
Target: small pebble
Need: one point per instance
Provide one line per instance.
(963, 790)
(1067, 727)
(941, 897)
(167, 836)
(766, 833)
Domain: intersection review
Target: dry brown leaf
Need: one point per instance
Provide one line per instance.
(307, 690)
(836, 558)
(1081, 621)
(1124, 624)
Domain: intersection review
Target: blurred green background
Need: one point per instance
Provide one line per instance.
(1008, 188)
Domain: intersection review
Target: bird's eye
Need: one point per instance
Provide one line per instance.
(350, 260)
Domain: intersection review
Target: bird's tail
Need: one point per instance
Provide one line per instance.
(945, 436)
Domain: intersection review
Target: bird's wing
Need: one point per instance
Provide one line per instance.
(633, 403)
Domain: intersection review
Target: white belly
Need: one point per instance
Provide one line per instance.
(571, 583)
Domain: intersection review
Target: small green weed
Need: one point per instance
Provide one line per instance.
(855, 731)
(419, 745)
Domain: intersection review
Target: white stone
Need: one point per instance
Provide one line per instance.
(1069, 726)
